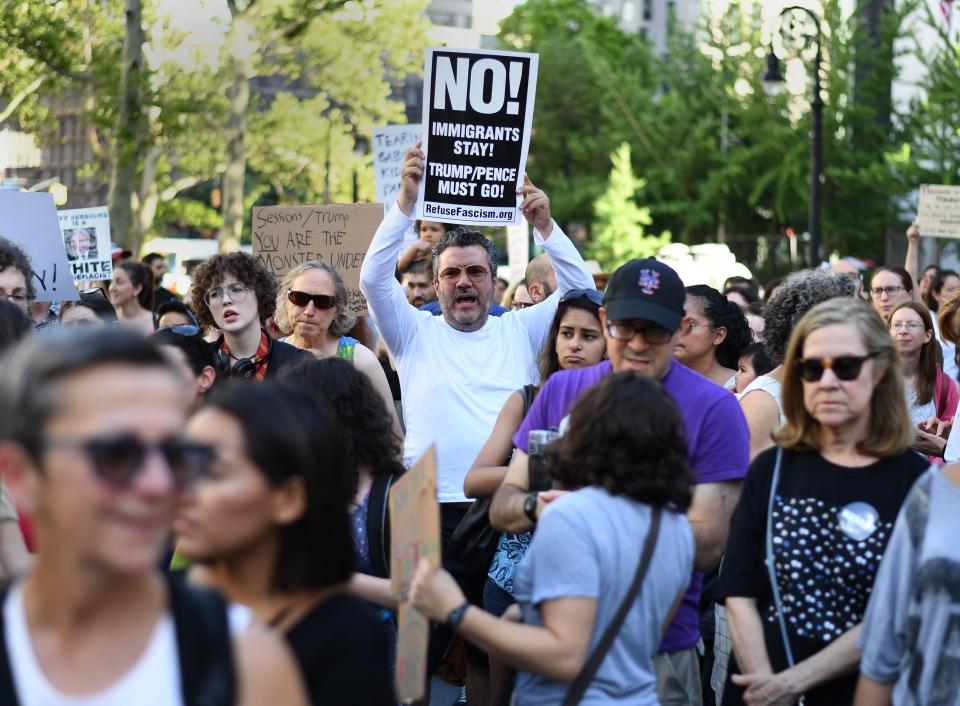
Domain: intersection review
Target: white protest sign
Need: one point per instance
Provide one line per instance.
(86, 238)
(938, 214)
(477, 116)
(390, 142)
(30, 220)
(518, 249)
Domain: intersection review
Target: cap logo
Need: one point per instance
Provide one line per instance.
(649, 281)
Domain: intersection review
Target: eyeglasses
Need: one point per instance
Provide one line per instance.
(591, 295)
(476, 273)
(517, 305)
(877, 292)
(907, 326)
(117, 460)
(321, 301)
(625, 331)
(846, 367)
(236, 290)
(688, 325)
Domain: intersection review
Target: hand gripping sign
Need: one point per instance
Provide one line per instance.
(477, 115)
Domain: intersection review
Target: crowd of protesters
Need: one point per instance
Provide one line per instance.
(661, 493)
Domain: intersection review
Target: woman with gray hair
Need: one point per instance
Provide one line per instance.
(761, 401)
(312, 310)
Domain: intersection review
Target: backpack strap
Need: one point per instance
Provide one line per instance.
(529, 392)
(204, 645)
(589, 670)
(378, 522)
(8, 693)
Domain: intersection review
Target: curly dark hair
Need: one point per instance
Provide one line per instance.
(12, 256)
(371, 441)
(140, 276)
(796, 295)
(247, 269)
(724, 313)
(626, 436)
(547, 361)
(462, 238)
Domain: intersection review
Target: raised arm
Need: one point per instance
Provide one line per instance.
(392, 313)
(912, 263)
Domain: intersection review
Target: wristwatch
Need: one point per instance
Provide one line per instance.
(456, 615)
(530, 506)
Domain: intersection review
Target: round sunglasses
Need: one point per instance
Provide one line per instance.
(846, 367)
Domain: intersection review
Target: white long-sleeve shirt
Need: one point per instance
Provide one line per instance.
(454, 383)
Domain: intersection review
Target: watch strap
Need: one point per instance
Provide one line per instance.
(530, 506)
(455, 617)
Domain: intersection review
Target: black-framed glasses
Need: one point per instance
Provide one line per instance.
(476, 274)
(878, 292)
(237, 291)
(321, 301)
(117, 460)
(846, 367)
(591, 295)
(652, 334)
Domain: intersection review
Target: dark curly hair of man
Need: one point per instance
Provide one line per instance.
(627, 437)
(12, 256)
(372, 443)
(247, 269)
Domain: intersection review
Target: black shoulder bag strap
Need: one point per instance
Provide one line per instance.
(378, 523)
(204, 645)
(589, 670)
(8, 693)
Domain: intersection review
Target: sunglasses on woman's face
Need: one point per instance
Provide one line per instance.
(846, 367)
(321, 301)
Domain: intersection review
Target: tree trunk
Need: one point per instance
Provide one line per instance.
(241, 52)
(129, 134)
(873, 70)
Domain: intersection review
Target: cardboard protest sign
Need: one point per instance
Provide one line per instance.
(414, 534)
(286, 236)
(477, 115)
(29, 219)
(938, 214)
(86, 239)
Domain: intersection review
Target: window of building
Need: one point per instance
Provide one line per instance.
(647, 10)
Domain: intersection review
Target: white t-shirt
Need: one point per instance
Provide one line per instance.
(455, 383)
(154, 678)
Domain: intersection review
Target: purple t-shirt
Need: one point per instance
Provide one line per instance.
(718, 446)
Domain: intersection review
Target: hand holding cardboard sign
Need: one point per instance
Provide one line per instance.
(536, 207)
(410, 175)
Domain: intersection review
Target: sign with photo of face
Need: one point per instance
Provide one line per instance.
(86, 239)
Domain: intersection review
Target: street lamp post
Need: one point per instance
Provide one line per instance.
(773, 75)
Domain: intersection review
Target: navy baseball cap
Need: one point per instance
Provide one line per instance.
(645, 289)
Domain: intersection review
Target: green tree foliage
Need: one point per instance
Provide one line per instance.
(619, 233)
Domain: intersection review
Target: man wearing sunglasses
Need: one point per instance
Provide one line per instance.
(643, 307)
(91, 426)
(236, 295)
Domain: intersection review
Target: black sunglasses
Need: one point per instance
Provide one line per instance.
(321, 301)
(846, 367)
(118, 459)
(591, 295)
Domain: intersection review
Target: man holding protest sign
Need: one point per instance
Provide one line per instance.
(457, 370)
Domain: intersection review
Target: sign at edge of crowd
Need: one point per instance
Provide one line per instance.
(938, 212)
(29, 219)
(414, 534)
(389, 144)
(337, 234)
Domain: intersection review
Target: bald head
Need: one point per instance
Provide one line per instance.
(848, 269)
(540, 278)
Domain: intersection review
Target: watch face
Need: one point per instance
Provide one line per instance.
(530, 506)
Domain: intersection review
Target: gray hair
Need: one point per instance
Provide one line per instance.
(345, 318)
(461, 238)
(794, 297)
